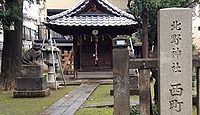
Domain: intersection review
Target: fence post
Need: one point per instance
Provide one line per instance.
(144, 91)
(121, 77)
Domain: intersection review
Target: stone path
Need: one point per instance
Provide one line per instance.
(70, 103)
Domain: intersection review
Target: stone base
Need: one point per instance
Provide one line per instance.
(31, 94)
(132, 92)
(31, 83)
(52, 85)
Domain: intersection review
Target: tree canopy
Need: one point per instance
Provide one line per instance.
(10, 12)
(137, 8)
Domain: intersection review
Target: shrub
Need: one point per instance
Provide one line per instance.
(135, 110)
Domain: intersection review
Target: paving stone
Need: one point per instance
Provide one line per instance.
(70, 103)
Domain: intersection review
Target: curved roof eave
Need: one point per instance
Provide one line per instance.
(83, 4)
(73, 10)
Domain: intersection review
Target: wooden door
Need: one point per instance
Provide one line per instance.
(96, 53)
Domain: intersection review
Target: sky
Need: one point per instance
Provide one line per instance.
(30, 9)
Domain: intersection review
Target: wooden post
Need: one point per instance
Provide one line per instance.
(121, 81)
(144, 82)
(81, 45)
(144, 91)
(75, 55)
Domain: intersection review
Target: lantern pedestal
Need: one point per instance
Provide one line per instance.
(49, 55)
(51, 81)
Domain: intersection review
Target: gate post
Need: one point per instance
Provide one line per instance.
(121, 77)
(175, 61)
(144, 91)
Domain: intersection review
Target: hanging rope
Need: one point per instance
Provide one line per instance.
(96, 51)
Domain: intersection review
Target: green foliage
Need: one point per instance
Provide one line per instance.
(155, 109)
(157, 4)
(135, 110)
(151, 7)
(11, 12)
(194, 47)
(194, 78)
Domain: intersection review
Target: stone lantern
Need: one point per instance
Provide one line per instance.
(50, 55)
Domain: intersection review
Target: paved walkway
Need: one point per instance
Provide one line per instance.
(69, 104)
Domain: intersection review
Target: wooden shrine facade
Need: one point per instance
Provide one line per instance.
(93, 24)
(94, 53)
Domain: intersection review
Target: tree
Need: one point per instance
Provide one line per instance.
(11, 15)
(145, 13)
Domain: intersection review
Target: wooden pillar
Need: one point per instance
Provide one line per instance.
(80, 48)
(75, 37)
(121, 81)
(144, 91)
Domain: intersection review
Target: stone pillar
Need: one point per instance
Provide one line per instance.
(144, 91)
(50, 55)
(121, 80)
(175, 61)
(51, 82)
(31, 83)
(51, 73)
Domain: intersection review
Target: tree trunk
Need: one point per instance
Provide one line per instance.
(11, 54)
(145, 44)
(7, 77)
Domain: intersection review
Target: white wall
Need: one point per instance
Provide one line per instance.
(30, 12)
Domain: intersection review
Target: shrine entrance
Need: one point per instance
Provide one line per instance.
(93, 24)
(95, 53)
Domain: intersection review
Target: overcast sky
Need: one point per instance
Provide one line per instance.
(30, 9)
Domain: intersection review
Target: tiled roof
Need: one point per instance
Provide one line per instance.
(92, 21)
(114, 9)
(75, 9)
(118, 17)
